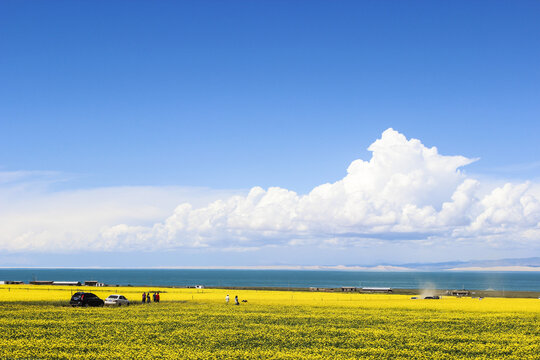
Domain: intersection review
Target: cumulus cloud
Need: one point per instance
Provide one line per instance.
(406, 191)
(34, 218)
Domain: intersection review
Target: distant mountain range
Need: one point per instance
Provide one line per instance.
(522, 264)
(502, 264)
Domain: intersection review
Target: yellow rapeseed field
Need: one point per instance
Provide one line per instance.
(36, 322)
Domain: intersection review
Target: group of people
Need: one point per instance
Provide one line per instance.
(146, 297)
(235, 300)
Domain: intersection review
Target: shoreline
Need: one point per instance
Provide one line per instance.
(338, 290)
(439, 292)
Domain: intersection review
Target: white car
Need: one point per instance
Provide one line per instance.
(118, 300)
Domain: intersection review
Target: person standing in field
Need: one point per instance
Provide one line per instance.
(154, 297)
(236, 300)
(148, 298)
(143, 297)
(227, 299)
(157, 297)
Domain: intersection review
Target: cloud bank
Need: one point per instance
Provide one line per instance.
(405, 192)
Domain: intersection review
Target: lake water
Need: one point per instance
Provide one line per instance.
(510, 281)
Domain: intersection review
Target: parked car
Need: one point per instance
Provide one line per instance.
(116, 300)
(85, 299)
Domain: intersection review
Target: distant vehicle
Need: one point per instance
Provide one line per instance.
(435, 297)
(116, 299)
(414, 298)
(85, 299)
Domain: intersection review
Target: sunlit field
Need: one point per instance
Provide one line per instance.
(37, 322)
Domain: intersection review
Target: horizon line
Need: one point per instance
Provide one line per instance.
(377, 268)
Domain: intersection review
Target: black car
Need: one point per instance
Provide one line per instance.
(85, 299)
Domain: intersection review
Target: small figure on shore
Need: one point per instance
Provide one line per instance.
(157, 297)
(154, 297)
(148, 298)
(227, 299)
(236, 300)
(143, 297)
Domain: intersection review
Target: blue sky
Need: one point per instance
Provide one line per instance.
(161, 97)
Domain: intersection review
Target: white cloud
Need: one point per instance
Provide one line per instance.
(33, 218)
(406, 191)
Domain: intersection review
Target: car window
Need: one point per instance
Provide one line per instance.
(113, 296)
(123, 298)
